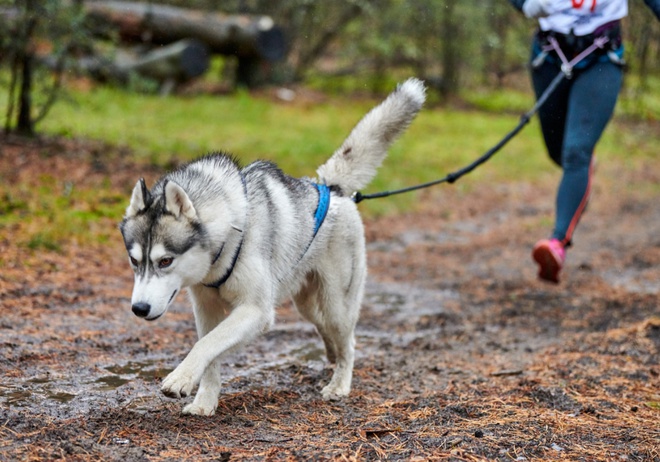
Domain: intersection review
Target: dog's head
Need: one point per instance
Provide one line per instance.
(165, 242)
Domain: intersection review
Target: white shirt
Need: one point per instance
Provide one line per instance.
(582, 16)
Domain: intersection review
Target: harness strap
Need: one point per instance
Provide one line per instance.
(217, 255)
(234, 259)
(224, 278)
(322, 207)
(320, 213)
(566, 65)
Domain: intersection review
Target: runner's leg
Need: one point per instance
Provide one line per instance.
(591, 102)
(552, 114)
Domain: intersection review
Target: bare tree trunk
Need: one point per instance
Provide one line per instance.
(24, 68)
(449, 50)
(9, 116)
(24, 125)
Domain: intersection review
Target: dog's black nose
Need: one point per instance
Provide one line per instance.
(141, 309)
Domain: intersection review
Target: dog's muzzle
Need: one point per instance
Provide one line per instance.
(141, 309)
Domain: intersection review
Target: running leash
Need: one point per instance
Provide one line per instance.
(566, 71)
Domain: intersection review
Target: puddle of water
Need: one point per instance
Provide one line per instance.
(61, 396)
(309, 352)
(127, 369)
(130, 368)
(405, 301)
(390, 300)
(110, 382)
(142, 369)
(14, 396)
(153, 374)
(42, 389)
(122, 374)
(632, 280)
(53, 389)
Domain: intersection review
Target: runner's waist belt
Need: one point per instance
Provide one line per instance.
(572, 45)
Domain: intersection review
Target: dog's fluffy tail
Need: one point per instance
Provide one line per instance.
(354, 164)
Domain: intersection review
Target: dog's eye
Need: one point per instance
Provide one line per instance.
(134, 262)
(165, 262)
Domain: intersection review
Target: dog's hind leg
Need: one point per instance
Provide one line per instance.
(338, 296)
(308, 303)
(338, 326)
(343, 338)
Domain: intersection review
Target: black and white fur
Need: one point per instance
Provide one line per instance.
(242, 240)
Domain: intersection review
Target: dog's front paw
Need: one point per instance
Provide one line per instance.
(179, 383)
(334, 392)
(199, 409)
(205, 403)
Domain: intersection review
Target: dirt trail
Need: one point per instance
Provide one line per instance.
(461, 353)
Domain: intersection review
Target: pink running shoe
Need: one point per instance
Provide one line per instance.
(550, 255)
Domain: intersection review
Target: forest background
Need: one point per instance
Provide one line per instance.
(461, 49)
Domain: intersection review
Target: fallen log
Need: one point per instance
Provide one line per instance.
(170, 65)
(243, 36)
(180, 61)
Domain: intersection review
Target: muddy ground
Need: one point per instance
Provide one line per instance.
(461, 353)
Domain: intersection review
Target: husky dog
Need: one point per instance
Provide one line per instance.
(243, 239)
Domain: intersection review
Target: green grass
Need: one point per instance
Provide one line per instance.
(297, 136)
(300, 136)
(49, 213)
(158, 129)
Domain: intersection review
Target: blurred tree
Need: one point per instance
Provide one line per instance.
(26, 27)
(451, 50)
(497, 62)
(453, 45)
(642, 38)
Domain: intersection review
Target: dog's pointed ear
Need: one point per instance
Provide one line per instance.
(177, 201)
(140, 199)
